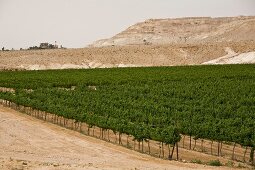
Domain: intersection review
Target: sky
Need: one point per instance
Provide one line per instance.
(77, 23)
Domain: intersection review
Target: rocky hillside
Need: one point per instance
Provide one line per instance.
(161, 42)
(129, 56)
(184, 30)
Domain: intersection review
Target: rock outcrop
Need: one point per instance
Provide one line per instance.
(184, 30)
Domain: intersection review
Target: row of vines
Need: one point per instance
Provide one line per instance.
(216, 103)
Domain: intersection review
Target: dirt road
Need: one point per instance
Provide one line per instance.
(28, 143)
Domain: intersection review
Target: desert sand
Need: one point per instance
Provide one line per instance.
(121, 56)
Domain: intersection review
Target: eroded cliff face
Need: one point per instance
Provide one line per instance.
(184, 31)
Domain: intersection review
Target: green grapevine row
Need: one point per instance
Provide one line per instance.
(208, 102)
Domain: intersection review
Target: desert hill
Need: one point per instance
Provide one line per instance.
(184, 30)
(127, 56)
(155, 42)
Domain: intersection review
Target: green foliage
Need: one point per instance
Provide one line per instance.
(208, 102)
(230, 164)
(197, 161)
(214, 163)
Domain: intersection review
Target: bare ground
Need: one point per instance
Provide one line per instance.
(184, 30)
(124, 56)
(28, 143)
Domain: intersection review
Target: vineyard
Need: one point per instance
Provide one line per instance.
(164, 104)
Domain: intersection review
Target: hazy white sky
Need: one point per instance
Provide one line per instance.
(76, 23)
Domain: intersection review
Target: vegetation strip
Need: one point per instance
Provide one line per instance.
(216, 103)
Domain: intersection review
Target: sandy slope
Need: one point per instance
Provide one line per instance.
(234, 58)
(155, 42)
(28, 143)
(124, 56)
(184, 30)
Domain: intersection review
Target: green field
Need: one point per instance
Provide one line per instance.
(209, 102)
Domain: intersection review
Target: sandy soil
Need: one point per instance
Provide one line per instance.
(184, 30)
(124, 56)
(28, 143)
(234, 58)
